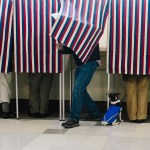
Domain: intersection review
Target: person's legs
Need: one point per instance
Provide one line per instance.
(143, 84)
(6, 112)
(92, 108)
(5, 107)
(46, 83)
(5, 80)
(34, 92)
(83, 77)
(131, 85)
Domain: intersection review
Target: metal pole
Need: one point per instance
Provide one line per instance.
(108, 90)
(16, 77)
(17, 106)
(63, 82)
(107, 62)
(60, 94)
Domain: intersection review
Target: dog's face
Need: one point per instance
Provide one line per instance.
(113, 97)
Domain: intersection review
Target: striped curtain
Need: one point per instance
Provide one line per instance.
(80, 25)
(6, 12)
(129, 37)
(35, 50)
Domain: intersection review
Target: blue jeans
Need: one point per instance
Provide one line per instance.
(83, 77)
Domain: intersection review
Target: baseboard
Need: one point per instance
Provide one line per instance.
(54, 106)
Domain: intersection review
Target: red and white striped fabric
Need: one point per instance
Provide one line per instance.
(35, 50)
(6, 12)
(80, 24)
(129, 37)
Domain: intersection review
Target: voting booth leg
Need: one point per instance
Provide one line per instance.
(61, 97)
(17, 106)
(60, 93)
(108, 89)
(63, 89)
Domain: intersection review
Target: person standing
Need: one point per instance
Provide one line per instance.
(83, 76)
(137, 87)
(39, 91)
(5, 93)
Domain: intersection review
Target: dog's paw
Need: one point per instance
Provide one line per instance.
(103, 123)
(115, 123)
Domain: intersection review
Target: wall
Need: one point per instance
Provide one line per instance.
(97, 87)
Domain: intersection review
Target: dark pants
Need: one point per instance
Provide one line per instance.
(39, 90)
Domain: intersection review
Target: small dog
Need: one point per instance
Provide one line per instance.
(114, 111)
